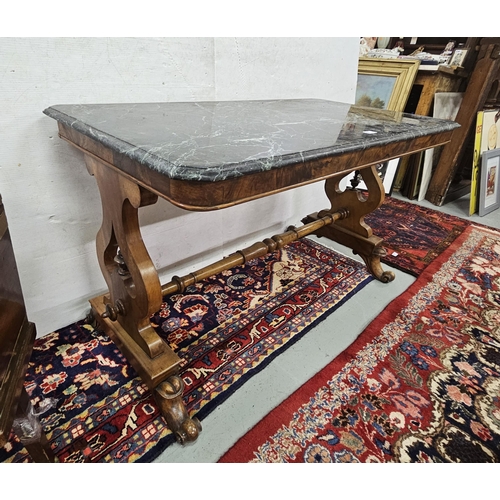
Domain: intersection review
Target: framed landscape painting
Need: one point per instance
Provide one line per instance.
(385, 83)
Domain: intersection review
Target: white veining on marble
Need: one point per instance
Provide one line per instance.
(217, 140)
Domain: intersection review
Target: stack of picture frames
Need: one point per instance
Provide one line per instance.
(446, 106)
(486, 164)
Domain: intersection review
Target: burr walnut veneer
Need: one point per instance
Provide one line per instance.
(211, 155)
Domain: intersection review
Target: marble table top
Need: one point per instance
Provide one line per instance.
(219, 140)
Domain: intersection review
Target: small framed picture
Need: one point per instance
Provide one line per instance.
(458, 57)
(489, 199)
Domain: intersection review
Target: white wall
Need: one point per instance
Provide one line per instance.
(53, 205)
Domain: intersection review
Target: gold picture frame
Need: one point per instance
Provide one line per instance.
(385, 83)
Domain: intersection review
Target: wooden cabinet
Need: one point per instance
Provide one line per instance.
(17, 336)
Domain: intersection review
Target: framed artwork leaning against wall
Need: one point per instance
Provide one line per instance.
(385, 83)
(489, 198)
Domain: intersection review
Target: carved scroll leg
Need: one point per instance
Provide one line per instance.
(168, 396)
(353, 232)
(372, 261)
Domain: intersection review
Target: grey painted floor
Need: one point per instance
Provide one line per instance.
(232, 419)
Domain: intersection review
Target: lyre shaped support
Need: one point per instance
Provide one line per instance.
(133, 283)
(353, 232)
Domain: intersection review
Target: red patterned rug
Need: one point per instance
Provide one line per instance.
(225, 330)
(414, 236)
(420, 384)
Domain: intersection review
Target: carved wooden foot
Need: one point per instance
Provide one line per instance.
(30, 432)
(168, 396)
(372, 262)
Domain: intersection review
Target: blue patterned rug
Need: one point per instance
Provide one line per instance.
(225, 330)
